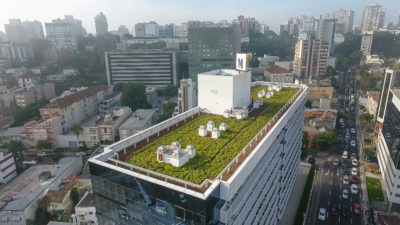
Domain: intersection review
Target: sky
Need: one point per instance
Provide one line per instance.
(130, 12)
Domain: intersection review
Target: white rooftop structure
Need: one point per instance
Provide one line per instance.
(174, 155)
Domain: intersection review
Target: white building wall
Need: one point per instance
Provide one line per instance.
(8, 170)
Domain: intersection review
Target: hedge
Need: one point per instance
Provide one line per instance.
(301, 211)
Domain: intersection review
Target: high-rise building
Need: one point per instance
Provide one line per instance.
(307, 23)
(169, 30)
(123, 30)
(373, 18)
(244, 25)
(388, 145)
(291, 26)
(15, 31)
(18, 52)
(150, 29)
(344, 21)
(100, 21)
(326, 32)
(33, 29)
(366, 42)
(243, 178)
(310, 58)
(155, 68)
(181, 30)
(212, 48)
(64, 33)
(187, 95)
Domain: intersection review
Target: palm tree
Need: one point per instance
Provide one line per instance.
(77, 129)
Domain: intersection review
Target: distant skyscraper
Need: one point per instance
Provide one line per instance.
(373, 18)
(212, 48)
(366, 42)
(344, 21)
(33, 29)
(307, 23)
(150, 29)
(15, 31)
(169, 30)
(63, 33)
(310, 58)
(291, 26)
(180, 30)
(123, 30)
(101, 24)
(244, 25)
(326, 31)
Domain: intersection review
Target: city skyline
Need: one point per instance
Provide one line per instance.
(130, 12)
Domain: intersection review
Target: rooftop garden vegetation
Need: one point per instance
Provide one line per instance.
(212, 154)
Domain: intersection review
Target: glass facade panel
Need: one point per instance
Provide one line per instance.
(391, 131)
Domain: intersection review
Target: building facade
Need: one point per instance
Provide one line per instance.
(326, 32)
(156, 68)
(373, 18)
(278, 74)
(263, 181)
(388, 136)
(85, 211)
(15, 31)
(366, 42)
(187, 95)
(64, 33)
(101, 24)
(16, 52)
(8, 170)
(310, 59)
(44, 91)
(212, 48)
(140, 120)
(344, 21)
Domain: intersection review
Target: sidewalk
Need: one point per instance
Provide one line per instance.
(295, 196)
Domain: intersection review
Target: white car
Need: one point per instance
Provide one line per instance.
(353, 143)
(345, 155)
(354, 171)
(353, 130)
(354, 162)
(322, 214)
(346, 179)
(345, 194)
(336, 162)
(354, 189)
(347, 136)
(341, 120)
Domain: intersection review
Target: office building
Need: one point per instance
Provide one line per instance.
(150, 29)
(16, 52)
(33, 29)
(20, 197)
(85, 211)
(64, 33)
(388, 136)
(181, 30)
(212, 48)
(187, 95)
(107, 42)
(326, 32)
(291, 26)
(373, 18)
(156, 68)
(28, 80)
(15, 31)
(310, 58)
(140, 120)
(366, 43)
(123, 30)
(344, 21)
(306, 23)
(250, 185)
(8, 170)
(169, 30)
(101, 24)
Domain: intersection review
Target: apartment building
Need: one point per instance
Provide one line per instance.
(8, 170)
(372, 102)
(187, 95)
(101, 24)
(85, 211)
(181, 30)
(366, 43)
(140, 120)
(373, 18)
(28, 80)
(64, 33)
(252, 189)
(278, 74)
(310, 58)
(27, 97)
(19, 52)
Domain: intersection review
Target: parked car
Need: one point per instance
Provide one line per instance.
(353, 130)
(346, 179)
(354, 189)
(353, 143)
(354, 179)
(346, 171)
(322, 214)
(345, 193)
(356, 209)
(344, 210)
(336, 162)
(346, 163)
(345, 155)
(353, 155)
(334, 209)
(354, 171)
(354, 162)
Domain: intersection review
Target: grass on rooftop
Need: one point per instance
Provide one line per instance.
(374, 189)
(212, 154)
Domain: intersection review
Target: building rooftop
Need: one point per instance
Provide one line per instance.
(396, 92)
(223, 72)
(22, 190)
(108, 119)
(139, 118)
(75, 97)
(276, 69)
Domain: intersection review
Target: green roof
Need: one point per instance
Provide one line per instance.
(213, 155)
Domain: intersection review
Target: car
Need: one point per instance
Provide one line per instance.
(347, 136)
(353, 143)
(354, 162)
(311, 160)
(353, 130)
(346, 171)
(352, 108)
(334, 209)
(345, 155)
(354, 189)
(346, 179)
(336, 162)
(356, 209)
(345, 148)
(353, 155)
(354, 171)
(354, 179)
(344, 210)
(345, 193)
(346, 163)
(347, 109)
(322, 214)
(341, 120)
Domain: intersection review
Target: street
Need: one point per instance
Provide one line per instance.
(329, 184)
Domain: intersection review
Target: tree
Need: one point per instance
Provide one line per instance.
(254, 62)
(30, 112)
(39, 46)
(368, 118)
(11, 82)
(325, 140)
(308, 104)
(42, 216)
(76, 129)
(168, 109)
(305, 140)
(17, 149)
(134, 96)
(74, 195)
(57, 157)
(44, 144)
(170, 91)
